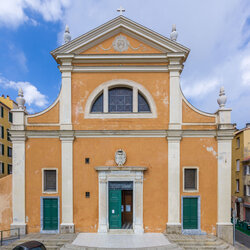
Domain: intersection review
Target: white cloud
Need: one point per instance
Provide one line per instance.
(31, 94)
(14, 12)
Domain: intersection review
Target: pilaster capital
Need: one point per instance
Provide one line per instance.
(66, 70)
(223, 135)
(18, 136)
(174, 135)
(67, 135)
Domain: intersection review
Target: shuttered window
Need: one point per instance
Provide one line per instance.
(50, 180)
(10, 117)
(9, 169)
(190, 179)
(1, 149)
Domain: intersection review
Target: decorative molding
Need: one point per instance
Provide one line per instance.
(120, 157)
(123, 168)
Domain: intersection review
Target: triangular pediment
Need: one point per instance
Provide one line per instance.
(139, 38)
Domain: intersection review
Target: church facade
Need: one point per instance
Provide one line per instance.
(121, 148)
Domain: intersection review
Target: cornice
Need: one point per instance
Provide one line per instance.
(123, 168)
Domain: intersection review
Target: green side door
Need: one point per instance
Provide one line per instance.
(115, 201)
(50, 214)
(190, 213)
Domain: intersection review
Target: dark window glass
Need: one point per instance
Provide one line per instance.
(9, 152)
(98, 104)
(9, 169)
(10, 117)
(120, 100)
(142, 104)
(2, 132)
(190, 179)
(50, 180)
(2, 168)
(2, 112)
(2, 149)
(8, 135)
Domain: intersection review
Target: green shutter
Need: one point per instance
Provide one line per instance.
(190, 213)
(50, 214)
(115, 201)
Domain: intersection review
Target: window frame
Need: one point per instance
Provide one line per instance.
(2, 167)
(8, 168)
(2, 131)
(197, 179)
(2, 112)
(10, 117)
(237, 186)
(238, 165)
(43, 187)
(104, 88)
(9, 148)
(247, 190)
(237, 142)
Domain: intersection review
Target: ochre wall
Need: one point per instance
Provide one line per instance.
(83, 84)
(191, 116)
(40, 153)
(149, 152)
(5, 202)
(202, 153)
(51, 116)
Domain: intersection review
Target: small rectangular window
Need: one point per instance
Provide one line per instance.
(10, 117)
(9, 169)
(237, 165)
(9, 152)
(2, 112)
(8, 135)
(1, 149)
(190, 179)
(238, 142)
(50, 181)
(2, 132)
(248, 190)
(1, 168)
(237, 185)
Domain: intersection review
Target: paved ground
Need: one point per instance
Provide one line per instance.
(242, 238)
(118, 241)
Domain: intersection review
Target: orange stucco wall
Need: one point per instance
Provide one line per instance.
(138, 47)
(153, 155)
(40, 153)
(84, 84)
(51, 116)
(191, 116)
(5, 202)
(202, 153)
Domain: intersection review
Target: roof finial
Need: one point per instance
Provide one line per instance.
(66, 36)
(20, 100)
(121, 9)
(174, 33)
(222, 98)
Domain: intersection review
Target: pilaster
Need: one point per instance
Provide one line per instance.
(67, 225)
(65, 98)
(173, 224)
(175, 105)
(18, 181)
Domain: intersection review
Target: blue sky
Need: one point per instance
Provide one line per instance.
(217, 32)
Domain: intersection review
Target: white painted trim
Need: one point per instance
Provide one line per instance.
(49, 192)
(114, 83)
(197, 180)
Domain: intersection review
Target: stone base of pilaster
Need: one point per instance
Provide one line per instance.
(102, 228)
(225, 232)
(173, 228)
(67, 228)
(17, 229)
(138, 229)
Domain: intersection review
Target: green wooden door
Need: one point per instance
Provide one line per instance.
(190, 213)
(50, 214)
(115, 201)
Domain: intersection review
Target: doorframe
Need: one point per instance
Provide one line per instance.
(108, 202)
(192, 231)
(41, 214)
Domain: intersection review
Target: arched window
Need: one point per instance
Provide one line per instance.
(98, 104)
(142, 104)
(120, 100)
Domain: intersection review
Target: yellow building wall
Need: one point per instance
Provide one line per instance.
(6, 124)
(202, 153)
(246, 142)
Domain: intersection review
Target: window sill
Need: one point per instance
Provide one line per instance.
(190, 190)
(50, 192)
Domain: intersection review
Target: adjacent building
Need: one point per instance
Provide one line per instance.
(121, 148)
(6, 104)
(241, 173)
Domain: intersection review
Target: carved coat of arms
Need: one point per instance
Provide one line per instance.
(120, 157)
(121, 43)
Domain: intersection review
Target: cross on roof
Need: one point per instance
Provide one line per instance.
(121, 9)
